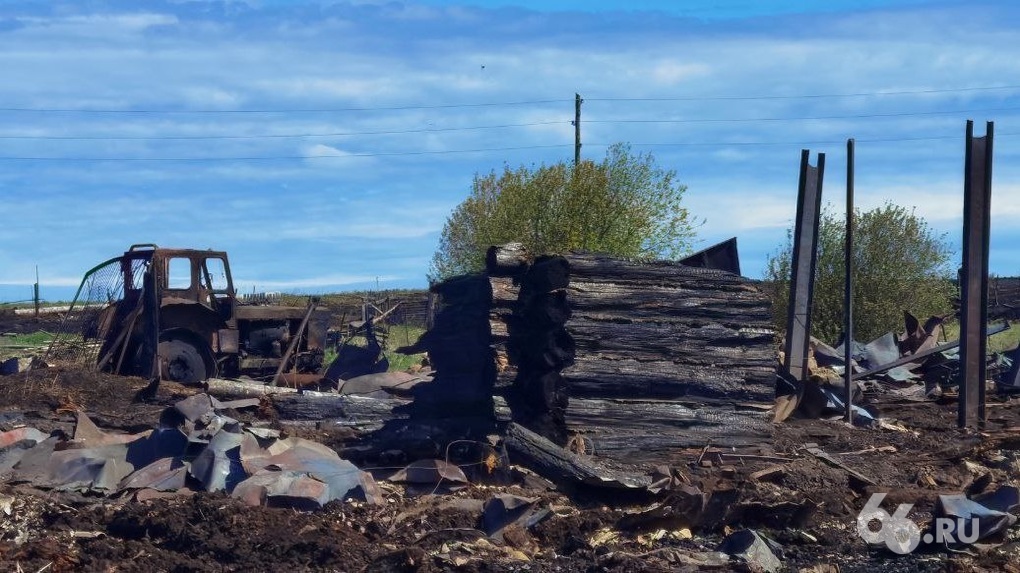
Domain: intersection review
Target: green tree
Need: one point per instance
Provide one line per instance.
(899, 264)
(624, 205)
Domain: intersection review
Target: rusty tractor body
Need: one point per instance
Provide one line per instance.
(179, 319)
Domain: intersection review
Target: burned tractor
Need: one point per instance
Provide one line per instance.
(174, 314)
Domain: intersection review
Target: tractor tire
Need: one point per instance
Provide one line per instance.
(181, 362)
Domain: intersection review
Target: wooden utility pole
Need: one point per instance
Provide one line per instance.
(35, 291)
(577, 128)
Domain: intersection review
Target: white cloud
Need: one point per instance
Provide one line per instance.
(320, 150)
(212, 97)
(131, 22)
(735, 211)
(675, 72)
(319, 88)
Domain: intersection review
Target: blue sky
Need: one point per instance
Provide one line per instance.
(322, 144)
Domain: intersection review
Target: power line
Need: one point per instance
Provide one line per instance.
(486, 150)
(815, 96)
(409, 107)
(285, 157)
(484, 127)
(270, 135)
(806, 118)
(281, 110)
(800, 143)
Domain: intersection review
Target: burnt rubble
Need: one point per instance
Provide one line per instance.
(641, 391)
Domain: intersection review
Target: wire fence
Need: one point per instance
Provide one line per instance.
(399, 308)
(79, 338)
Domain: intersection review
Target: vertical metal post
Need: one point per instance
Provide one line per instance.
(848, 292)
(977, 199)
(805, 257)
(150, 318)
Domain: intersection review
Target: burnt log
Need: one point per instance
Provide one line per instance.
(657, 432)
(666, 273)
(703, 344)
(223, 388)
(648, 431)
(546, 274)
(505, 292)
(361, 413)
(565, 467)
(590, 326)
(544, 310)
(741, 304)
(596, 377)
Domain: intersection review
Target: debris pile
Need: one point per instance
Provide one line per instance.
(196, 447)
(790, 505)
(915, 365)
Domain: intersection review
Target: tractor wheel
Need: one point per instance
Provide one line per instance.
(181, 362)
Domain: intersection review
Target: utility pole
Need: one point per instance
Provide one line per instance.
(35, 291)
(577, 128)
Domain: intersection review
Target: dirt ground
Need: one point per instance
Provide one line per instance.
(807, 505)
(22, 324)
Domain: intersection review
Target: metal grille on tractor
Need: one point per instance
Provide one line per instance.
(78, 340)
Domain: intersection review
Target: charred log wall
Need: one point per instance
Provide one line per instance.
(665, 330)
(600, 328)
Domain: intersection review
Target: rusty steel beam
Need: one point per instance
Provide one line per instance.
(805, 257)
(977, 199)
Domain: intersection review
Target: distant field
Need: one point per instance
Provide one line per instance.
(1001, 342)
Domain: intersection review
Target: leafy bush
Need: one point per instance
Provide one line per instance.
(900, 264)
(624, 205)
